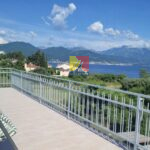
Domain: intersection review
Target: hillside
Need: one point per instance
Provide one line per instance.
(26, 48)
(131, 55)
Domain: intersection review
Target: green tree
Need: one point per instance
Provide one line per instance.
(144, 73)
(6, 63)
(38, 59)
(19, 65)
(16, 55)
(52, 71)
(41, 71)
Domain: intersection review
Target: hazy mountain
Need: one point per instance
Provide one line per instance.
(26, 48)
(77, 48)
(56, 52)
(115, 55)
(133, 55)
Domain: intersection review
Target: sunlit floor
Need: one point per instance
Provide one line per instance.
(39, 128)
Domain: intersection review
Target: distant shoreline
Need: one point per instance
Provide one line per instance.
(112, 64)
(95, 63)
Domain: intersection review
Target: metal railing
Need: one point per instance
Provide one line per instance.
(122, 117)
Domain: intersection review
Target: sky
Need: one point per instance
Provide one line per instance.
(93, 24)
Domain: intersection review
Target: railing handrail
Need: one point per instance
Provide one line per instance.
(84, 83)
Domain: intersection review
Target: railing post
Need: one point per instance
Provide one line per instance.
(68, 111)
(21, 80)
(10, 73)
(40, 88)
(138, 122)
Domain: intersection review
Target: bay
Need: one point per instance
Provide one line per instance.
(131, 71)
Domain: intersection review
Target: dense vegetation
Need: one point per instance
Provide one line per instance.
(38, 59)
(140, 85)
(17, 60)
(12, 60)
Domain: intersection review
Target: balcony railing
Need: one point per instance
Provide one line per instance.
(122, 117)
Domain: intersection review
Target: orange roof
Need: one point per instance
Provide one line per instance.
(30, 65)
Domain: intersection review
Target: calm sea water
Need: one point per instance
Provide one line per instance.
(130, 71)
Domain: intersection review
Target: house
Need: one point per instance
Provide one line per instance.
(49, 66)
(64, 69)
(14, 61)
(30, 67)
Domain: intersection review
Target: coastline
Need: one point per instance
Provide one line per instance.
(95, 63)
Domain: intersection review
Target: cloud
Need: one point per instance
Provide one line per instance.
(3, 41)
(71, 39)
(32, 34)
(111, 31)
(10, 35)
(131, 35)
(100, 45)
(2, 32)
(45, 21)
(96, 27)
(90, 41)
(58, 16)
(68, 38)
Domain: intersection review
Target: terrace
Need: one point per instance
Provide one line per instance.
(53, 113)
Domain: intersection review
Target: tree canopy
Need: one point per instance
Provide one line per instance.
(38, 59)
(144, 73)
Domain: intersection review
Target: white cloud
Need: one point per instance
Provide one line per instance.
(9, 35)
(96, 27)
(45, 21)
(3, 41)
(89, 41)
(59, 15)
(131, 35)
(111, 31)
(74, 39)
(2, 32)
(32, 34)
(100, 45)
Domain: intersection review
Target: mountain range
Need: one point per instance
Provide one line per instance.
(120, 55)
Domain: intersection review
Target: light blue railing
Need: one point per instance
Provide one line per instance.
(122, 117)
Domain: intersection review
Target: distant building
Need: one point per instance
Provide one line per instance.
(49, 66)
(64, 69)
(30, 67)
(14, 61)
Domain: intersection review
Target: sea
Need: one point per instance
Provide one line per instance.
(131, 71)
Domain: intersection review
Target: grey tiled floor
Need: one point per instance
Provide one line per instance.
(39, 128)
